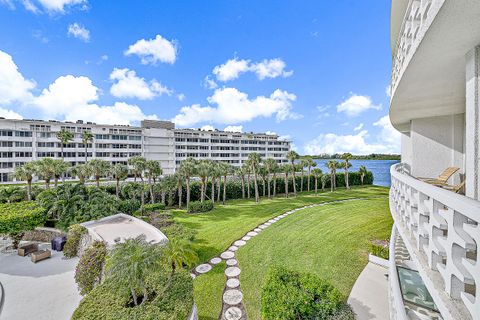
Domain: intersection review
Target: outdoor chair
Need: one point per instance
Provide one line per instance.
(455, 188)
(442, 178)
(40, 255)
(25, 250)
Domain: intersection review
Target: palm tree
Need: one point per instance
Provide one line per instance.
(262, 171)
(82, 171)
(303, 163)
(99, 168)
(203, 171)
(179, 178)
(333, 166)
(44, 169)
(119, 171)
(26, 173)
(65, 137)
(240, 172)
(286, 168)
(225, 170)
(59, 169)
(346, 164)
(275, 169)
(12, 194)
(247, 170)
(87, 136)
(255, 160)
(310, 163)
(216, 174)
(152, 171)
(270, 165)
(292, 156)
(178, 253)
(130, 263)
(363, 172)
(317, 173)
(324, 178)
(188, 169)
(138, 165)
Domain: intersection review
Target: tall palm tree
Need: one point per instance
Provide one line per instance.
(152, 171)
(216, 174)
(99, 168)
(292, 156)
(138, 165)
(270, 165)
(178, 253)
(240, 172)
(65, 137)
(203, 171)
(26, 173)
(309, 164)
(188, 169)
(363, 172)
(225, 170)
(262, 171)
(303, 163)
(324, 178)
(346, 165)
(87, 136)
(60, 167)
(285, 169)
(247, 169)
(119, 171)
(82, 171)
(179, 178)
(44, 169)
(255, 160)
(275, 169)
(317, 173)
(333, 166)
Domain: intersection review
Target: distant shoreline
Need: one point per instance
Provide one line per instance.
(356, 157)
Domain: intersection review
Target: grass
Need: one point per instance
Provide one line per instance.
(217, 229)
(331, 241)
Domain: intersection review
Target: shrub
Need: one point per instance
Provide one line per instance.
(88, 272)
(149, 208)
(197, 206)
(74, 236)
(128, 206)
(178, 231)
(291, 295)
(379, 250)
(16, 218)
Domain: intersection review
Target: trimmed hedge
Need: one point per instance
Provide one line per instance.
(169, 299)
(88, 272)
(197, 206)
(74, 236)
(289, 295)
(16, 218)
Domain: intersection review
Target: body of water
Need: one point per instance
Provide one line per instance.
(379, 168)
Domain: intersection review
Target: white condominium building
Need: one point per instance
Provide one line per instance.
(435, 104)
(26, 140)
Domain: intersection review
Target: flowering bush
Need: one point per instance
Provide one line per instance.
(90, 267)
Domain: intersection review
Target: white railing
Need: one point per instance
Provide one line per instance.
(397, 307)
(418, 18)
(441, 232)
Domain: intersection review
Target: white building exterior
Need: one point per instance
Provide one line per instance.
(26, 140)
(435, 104)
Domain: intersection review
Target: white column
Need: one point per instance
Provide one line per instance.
(472, 119)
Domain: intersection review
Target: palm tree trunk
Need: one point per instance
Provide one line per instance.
(248, 186)
(219, 190)
(268, 187)
(150, 186)
(225, 189)
(263, 186)
(332, 181)
(243, 187)
(308, 181)
(97, 179)
(142, 195)
(117, 189)
(346, 179)
(361, 179)
(274, 185)
(202, 193)
(86, 159)
(55, 182)
(188, 192)
(29, 190)
(316, 181)
(213, 189)
(180, 192)
(47, 183)
(286, 185)
(257, 197)
(301, 182)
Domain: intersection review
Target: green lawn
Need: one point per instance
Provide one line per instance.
(217, 229)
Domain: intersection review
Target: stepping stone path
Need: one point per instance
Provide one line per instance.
(233, 308)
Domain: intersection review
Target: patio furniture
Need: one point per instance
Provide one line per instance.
(455, 188)
(25, 250)
(40, 255)
(442, 178)
(58, 243)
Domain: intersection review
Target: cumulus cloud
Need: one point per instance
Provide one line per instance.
(59, 6)
(233, 68)
(128, 85)
(154, 50)
(230, 106)
(78, 31)
(207, 127)
(9, 114)
(233, 129)
(359, 127)
(209, 83)
(270, 132)
(357, 104)
(13, 86)
(387, 141)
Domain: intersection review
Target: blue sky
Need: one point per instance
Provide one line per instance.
(315, 72)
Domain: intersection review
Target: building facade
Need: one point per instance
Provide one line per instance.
(435, 104)
(26, 140)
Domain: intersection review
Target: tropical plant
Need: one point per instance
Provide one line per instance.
(45, 169)
(318, 174)
(60, 167)
(74, 237)
(82, 171)
(198, 206)
(26, 173)
(87, 136)
(88, 272)
(325, 179)
(248, 171)
(292, 156)
(130, 262)
(64, 136)
(188, 169)
(285, 169)
(363, 171)
(203, 171)
(254, 161)
(178, 253)
(240, 172)
(215, 175)
(262, 171)
(302, 164)
(346, 165)
(99, 168)
(152, 171)
(309, 164)
(179, 178)
(137, 165)
(225, 170)
(333, 165)
(270, 166)
(118, 171)
(12, 194)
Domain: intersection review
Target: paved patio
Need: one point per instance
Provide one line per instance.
(369, 296)
(45, 290)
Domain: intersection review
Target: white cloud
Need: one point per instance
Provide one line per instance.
(13, 86)
(30, 6)
(233, 129)
(357, 104)
(78, 31)
(155, 50)
(58, 6)
(323, 112)
(233, 106)
(270, 132)
(207, 128)
(181, 97)
(233, 68)
(9, 114)
(129, 85)
(8, 3)
(359, 127)
(209, 83)
(387, 141)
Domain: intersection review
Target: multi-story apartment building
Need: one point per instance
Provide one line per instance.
(435, 103)
(26, 140)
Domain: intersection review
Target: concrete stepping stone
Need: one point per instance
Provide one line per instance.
(232, 272)
(252, 234)
(233, 248)
(239, 243)
(233, 283)
(272, 220)
(267, 223)
(232, 297)
(263, 226)
(232, 262)
(203, 268)
(246, 238)
(215, 260)
(233, 313)
(227, 255)
(193, 275)
(257, 230)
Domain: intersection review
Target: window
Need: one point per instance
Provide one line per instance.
(135, 138)
(23, 133)
(118, 137)
(23, 154)
(102, 136)
(6, 133)
(22, 144)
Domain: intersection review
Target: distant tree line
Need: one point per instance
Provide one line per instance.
(372, 156)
